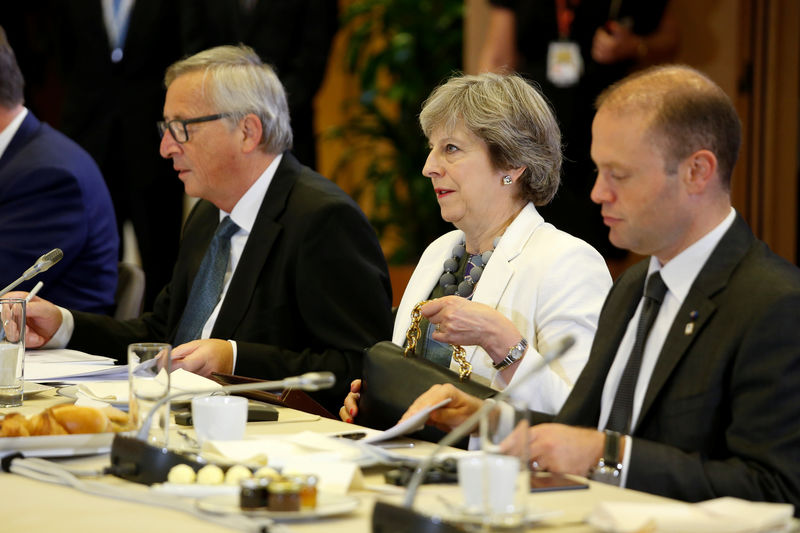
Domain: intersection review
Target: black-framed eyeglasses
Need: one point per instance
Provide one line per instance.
(177, 127)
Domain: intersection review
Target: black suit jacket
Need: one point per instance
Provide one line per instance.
(111, 110)
(310, 291)
(721, 416)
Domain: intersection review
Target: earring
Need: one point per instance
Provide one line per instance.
(507, 180)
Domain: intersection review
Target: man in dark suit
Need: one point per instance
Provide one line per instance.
(293, 36)
(304, 284)
(52, 196)
(112, 67)
(710, 406)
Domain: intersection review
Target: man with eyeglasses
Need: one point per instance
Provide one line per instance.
(278, 272)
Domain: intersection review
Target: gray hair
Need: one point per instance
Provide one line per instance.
(11, 81)
(511, 117)
(239, 83)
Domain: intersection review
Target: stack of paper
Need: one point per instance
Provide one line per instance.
(70, 366)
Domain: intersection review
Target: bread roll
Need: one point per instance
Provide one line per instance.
(14, 425)
(76, 419)
(63, 420)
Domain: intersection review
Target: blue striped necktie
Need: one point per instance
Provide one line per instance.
(207, 285)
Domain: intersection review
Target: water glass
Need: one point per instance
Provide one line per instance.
(149, 365)
(12, 351)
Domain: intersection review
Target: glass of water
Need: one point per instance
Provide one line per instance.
(149, 366)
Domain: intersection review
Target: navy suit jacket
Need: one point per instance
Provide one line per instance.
(53, 196)
(721, 415)
(310, 292)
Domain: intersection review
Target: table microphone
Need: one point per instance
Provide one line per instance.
(43, 263)
(388, 518)
(132, 458)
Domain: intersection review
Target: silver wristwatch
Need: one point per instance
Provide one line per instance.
(514, 355)
(609, 468)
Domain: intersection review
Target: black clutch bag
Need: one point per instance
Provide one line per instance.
(394, 377)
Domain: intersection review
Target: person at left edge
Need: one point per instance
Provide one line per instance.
(306, 287)
(52, 195)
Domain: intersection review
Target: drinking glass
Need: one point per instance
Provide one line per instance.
(149, 366)
(12, 351)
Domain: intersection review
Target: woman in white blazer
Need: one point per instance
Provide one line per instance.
(506, 285)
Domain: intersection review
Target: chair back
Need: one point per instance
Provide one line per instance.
(130, 291)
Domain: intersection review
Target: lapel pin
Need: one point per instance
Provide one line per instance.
(689, 329)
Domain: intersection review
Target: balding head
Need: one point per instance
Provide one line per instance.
(687, 112)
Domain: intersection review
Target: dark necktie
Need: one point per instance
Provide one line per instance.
(207, 285)
(622, 409)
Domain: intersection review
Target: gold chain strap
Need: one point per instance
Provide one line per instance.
(412, 336)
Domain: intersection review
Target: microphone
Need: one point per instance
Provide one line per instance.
(311, 381)
(133, 459)
(465, 427)
(42, 264)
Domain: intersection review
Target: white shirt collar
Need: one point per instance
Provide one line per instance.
(680, 272)
(245, 211)
(7, 134)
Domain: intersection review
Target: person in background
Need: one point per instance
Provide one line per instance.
(692, 388)
(573, 49)
(293, 36)
(52, 195)
(111, 56)
(274, 257)
(505, 284)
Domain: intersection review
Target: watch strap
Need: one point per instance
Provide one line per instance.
(515, 353)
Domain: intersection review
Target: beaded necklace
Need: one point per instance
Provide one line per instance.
(472, 273)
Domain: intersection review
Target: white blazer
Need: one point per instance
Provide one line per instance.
(547, 282)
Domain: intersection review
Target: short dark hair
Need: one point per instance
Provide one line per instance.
(11, 81)
(689, 113)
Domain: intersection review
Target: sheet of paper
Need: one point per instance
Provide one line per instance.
(65, 356)
(73, 373)
(117, 390)
(408, 426)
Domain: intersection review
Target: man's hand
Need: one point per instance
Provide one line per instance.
(42, 319)
(461, 406)
(204, 357)
(564, 449)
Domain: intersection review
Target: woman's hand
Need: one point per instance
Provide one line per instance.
(467, 323)
(350, 408)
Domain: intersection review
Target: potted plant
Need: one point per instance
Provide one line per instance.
(399, 50)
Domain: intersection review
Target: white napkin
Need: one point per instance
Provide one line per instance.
(728, 515)
(335, 462)
(117, 391)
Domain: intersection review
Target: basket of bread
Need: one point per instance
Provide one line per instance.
(65, 420)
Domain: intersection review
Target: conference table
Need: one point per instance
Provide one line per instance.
(30, 505)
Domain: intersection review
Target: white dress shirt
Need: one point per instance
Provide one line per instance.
(8, 133)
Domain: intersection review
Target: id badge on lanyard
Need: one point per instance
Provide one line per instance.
(564, 61)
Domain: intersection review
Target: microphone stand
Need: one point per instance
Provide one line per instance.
(134, 459)
(42, 264)
(392, 513)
